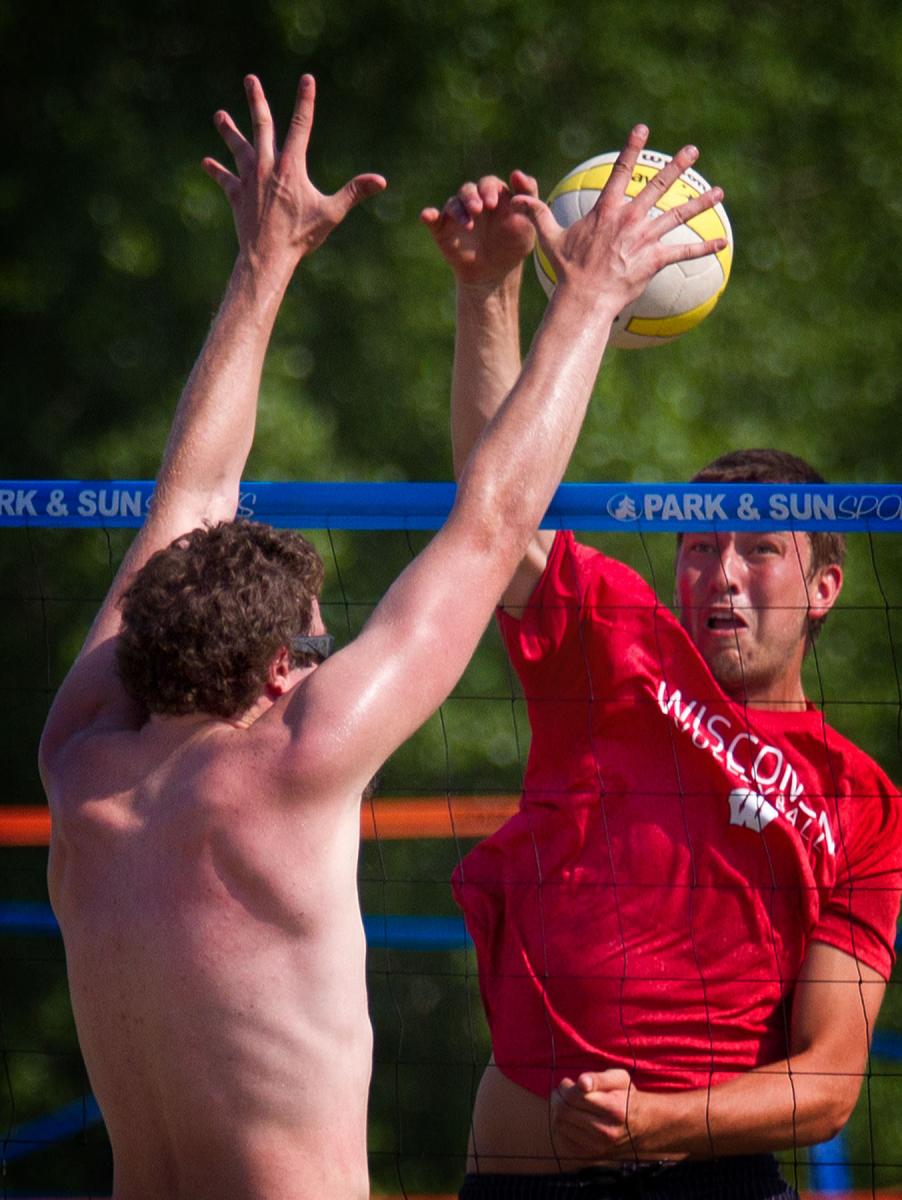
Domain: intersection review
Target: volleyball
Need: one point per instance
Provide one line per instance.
(681, 294)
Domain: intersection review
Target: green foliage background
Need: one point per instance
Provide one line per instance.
(116, 249)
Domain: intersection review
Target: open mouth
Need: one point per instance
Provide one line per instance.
(726, 621)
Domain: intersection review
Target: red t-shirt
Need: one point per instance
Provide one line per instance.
(675, 853)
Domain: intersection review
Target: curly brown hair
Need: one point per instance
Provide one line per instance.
(204, 617)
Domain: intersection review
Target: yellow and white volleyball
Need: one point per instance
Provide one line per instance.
(681, 294)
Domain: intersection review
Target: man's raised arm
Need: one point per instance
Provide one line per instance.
(485, 238)
(377, 691)
(280, 217)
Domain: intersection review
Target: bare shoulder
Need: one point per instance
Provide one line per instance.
(311, 741)
(108, 767)
(102, 759)
(113, 782)
(91, 704)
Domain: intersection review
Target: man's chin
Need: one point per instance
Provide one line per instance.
(728, 669)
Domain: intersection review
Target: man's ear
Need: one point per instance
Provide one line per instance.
(278, 672)
(823, 591)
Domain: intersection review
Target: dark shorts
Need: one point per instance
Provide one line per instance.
(746, 1177)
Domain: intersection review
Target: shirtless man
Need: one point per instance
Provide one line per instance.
(684, 935)
(205, 826)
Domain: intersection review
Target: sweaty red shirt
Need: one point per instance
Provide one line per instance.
(674, 855)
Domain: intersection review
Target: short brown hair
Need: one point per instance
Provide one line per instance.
(777, 466)
(204, 617)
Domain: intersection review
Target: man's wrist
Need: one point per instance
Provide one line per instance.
(264, 279)
(668, 1125)
(595, 306)
(505, 288)
(486, 309)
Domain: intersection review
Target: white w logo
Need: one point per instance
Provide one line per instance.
(750, 809)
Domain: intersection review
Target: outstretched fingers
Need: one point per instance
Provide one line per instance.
(298, 137)
(220, 175)
(622, 171)
(661, 183)
(683, 251)
(261, 119)
(681, 215)
(277, 209)
(241, 149)
(354, 192)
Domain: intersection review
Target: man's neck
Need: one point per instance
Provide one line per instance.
(778, 697)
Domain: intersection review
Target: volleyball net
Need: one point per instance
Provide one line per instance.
(456, 781)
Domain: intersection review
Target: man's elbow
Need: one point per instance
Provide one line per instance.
(835, 1106)
(847, 1098)
(500, 518)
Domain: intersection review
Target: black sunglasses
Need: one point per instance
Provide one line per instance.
(320, 645)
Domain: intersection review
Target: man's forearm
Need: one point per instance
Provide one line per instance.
(512, 474)
(770, 1108)
(797, 1101)
(486, 358)
(213, 428)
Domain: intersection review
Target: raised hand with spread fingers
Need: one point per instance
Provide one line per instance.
(277, 208)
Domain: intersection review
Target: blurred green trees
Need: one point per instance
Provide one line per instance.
(115, 253)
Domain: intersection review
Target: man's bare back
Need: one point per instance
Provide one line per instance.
(216, 962)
